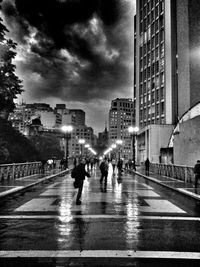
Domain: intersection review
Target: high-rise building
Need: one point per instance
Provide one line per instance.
(79, 115)
(121, 116)
(166, 66)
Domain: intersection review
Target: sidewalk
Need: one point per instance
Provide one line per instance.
(186, 189)
(8, 187)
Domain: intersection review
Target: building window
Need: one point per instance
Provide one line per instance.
(162, 108)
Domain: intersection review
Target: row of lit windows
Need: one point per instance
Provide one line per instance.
(153, 14)
(152, 71)
(154, 54)
(122, 104)
(152, 97)
(151, 39)
(153, 83)
(146, 6)
(156, 23)
(153, 111)
(157, 120)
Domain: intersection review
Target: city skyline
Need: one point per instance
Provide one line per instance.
(79, 53)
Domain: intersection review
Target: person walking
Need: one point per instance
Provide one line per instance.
(120, 166)
(104, 171)
(197, 173)
(113, 164)
(75, 162)
(147, 164)
(80, 174)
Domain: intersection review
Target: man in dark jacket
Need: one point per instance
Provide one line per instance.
(197, 173)
(80, 177)
(104, 171)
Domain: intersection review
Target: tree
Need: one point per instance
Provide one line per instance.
(10, 84)
(48, 146)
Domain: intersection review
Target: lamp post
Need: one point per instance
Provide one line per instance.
(67, 129)
(119, 142)
(133, 131)
(81, 142)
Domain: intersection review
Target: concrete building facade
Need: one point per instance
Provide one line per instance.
(166, 80)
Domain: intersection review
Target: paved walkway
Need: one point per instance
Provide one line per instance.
(186, 189)
(11, 186)
(8, 187)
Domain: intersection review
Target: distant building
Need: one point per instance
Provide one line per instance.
(103, 138)
(81, 132)
(50, 119)
(79, 115)
(121, 116)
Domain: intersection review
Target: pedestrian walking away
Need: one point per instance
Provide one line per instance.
(113, 164)
(147, 164)
(104, 171)
(197, 173)
(79, 174)
(120, 166)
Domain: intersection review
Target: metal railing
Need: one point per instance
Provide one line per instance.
(18, 170)
(179, 172)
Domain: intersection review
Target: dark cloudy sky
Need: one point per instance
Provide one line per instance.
(77, 52)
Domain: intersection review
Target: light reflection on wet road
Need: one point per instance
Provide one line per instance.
(128, 215)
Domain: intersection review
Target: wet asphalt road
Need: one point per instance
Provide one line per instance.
(131, 222)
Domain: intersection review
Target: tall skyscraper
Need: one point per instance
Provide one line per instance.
(166, 67)
(121, 116)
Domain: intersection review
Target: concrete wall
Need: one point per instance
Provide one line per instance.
(159, 138)
(151, 139)
(187, 143)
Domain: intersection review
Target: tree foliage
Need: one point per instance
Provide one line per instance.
(14, 147)
(10, 84)
(48, 146)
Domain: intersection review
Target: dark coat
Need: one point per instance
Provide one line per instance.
(197, 168)
(103, 167)
(80, 172)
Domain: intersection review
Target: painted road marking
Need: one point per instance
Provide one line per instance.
(100, 254)
(46, 204)
(39, 204)
(160, 205)
(99, 216)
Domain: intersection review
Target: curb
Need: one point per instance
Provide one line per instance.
(22, 188)
(188, 194)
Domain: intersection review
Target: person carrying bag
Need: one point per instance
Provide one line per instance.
(79, 173)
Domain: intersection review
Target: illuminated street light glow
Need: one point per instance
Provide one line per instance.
(132, 129)
(81, 141)
(119, 142)
(67, 128)
(87, 146)
(113, 146)
(133, 132)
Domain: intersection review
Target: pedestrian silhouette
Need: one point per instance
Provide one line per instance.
(147, 164)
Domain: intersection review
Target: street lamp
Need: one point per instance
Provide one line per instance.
(133, 131)
(119, 142)
(81, 142)
(67, 129)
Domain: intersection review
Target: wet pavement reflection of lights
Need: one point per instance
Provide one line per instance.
(63, 225)
(132, 226)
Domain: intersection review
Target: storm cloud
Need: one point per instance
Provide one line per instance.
(73, 50)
